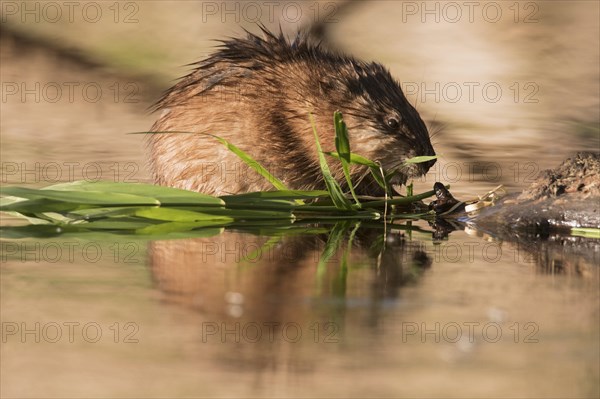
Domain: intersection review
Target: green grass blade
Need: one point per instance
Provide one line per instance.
(165, 195)
(399, 201)
(81, 197)
(335, 191)
(381, 180)
(41, 205)
(245, 214)
(179, 215)
(251, 162)
(587, 232)
(420, 159)
(124, 223)
(342, 145)
(278, 184)
(375, 169)
(288, 195)
(182, 227)
(32, 219)
(101, 213)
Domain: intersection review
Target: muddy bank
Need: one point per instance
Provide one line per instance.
(559, 199)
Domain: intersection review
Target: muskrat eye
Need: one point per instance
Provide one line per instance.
(392, 123)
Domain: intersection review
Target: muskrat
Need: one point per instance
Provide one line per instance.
(258, 93)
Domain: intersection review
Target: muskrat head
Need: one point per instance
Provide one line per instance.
(382, 124)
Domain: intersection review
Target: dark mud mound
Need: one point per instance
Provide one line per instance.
(560, 199)
(540, 220)
(579, 175)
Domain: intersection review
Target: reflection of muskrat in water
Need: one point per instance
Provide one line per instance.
(258, 93)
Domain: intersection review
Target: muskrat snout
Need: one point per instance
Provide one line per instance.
(424, 149)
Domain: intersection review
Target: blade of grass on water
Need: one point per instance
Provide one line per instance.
(165, 195)
(333, 243)
(279, 194)
(101, 213)
(81, 197)
(179, 215)
(400, 201)
(41, 205)
(588, 232)
(210, 228)
(31, 218)
(125, 223)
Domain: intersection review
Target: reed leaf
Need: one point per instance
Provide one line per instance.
(164, 195)
(587, 232)
(180, 215)
(420, 159)
(80, 197)
(278, 184)
(334, 189)
(207, 228)
(276, 195)
(342, 145)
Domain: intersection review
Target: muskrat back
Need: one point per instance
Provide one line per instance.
(258, 93)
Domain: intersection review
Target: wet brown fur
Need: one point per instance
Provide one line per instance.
(258, 93)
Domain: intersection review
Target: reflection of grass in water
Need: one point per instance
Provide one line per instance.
(334, 242)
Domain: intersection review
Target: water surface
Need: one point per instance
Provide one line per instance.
(244, 315)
